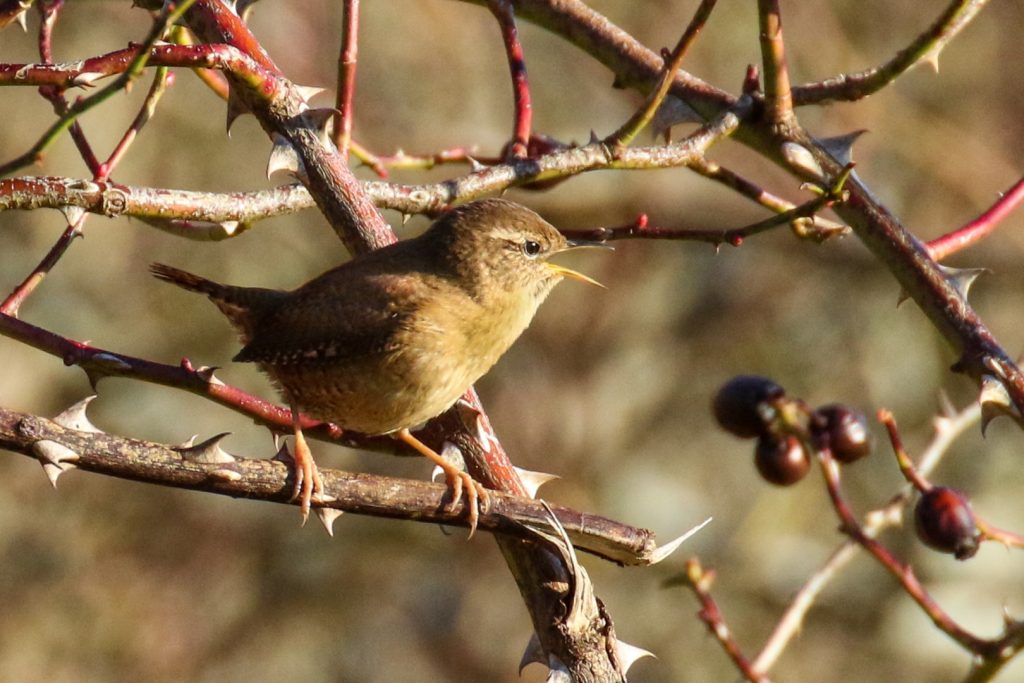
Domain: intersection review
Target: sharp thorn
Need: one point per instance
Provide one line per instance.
(321, 119)
(327, 517)
(663, 551)
(55, 458)
(236, 108)
(559, 672)
(962, 278)
(995, 401)
(283, 454)
(208, 452)
(534, 480)
(628, 654)
(672, 112)
(205, 373)
(533, 653)
(283, 157)
(72, 214)
(74, 417)
(308, 92)
(840, 147)
(87, 79)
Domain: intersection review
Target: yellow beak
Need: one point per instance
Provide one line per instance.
(562, 270)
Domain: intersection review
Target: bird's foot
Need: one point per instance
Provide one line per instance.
(308, 483)
(478, 499)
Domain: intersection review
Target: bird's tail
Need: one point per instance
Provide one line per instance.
(243, 306)
(191, 282)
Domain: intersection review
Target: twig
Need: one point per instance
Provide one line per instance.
(213, 79)
(161, 81)
(925, 48)
(13, 302)
(98, 363)
(639, 229)
(699, 582)
(975, 231)
(504, 12)
(381, 163)
(347, 59)
(778, 97)
(948, 428)
(901, 571)
(747, 188)
(81, 106)
(49, 12)
(919, 481)
(639, 120)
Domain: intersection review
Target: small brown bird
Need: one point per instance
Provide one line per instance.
(394, 337)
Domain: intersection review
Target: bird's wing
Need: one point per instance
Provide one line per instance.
(326, 321)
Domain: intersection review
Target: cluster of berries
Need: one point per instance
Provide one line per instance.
(788, 432)
(753, 407)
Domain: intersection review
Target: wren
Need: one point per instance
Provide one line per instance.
(394, 337)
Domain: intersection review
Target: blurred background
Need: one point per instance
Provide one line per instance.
(109, 580)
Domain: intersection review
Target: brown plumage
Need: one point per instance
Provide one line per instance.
(393, 338)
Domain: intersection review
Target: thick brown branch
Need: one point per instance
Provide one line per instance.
(270, 481)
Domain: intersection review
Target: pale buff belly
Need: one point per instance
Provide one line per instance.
(401, 389)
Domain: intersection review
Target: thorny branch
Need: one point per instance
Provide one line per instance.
(924, 49)
(767, 124)
(207, 467)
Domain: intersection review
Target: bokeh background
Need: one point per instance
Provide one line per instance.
(108, 580)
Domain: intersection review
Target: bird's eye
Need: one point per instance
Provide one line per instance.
(531, 248)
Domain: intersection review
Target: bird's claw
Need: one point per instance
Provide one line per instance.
(478, 499)
(309, 485)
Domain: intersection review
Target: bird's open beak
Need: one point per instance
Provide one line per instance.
(579, 244)
(584, 244)
(562, 270)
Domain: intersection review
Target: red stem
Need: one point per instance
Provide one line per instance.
(212, 56)
(49, 12)
(952, 242)
(699, 581)
(903, 572)
(347, 76)
(505, 14)
(163, 79)
(98, 363)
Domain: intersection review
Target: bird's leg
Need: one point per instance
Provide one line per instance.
(307, 477)
(476, 495)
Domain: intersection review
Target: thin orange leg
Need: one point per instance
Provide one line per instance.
(477, 496)
(308, 482)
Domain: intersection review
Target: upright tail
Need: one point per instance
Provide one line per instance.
(243, 306)
(191, 282)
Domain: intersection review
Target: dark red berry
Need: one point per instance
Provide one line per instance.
(846, 431)
(945, 522)
(781, 460)
(742, 405)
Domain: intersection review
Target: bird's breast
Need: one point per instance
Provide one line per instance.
(435, 354)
